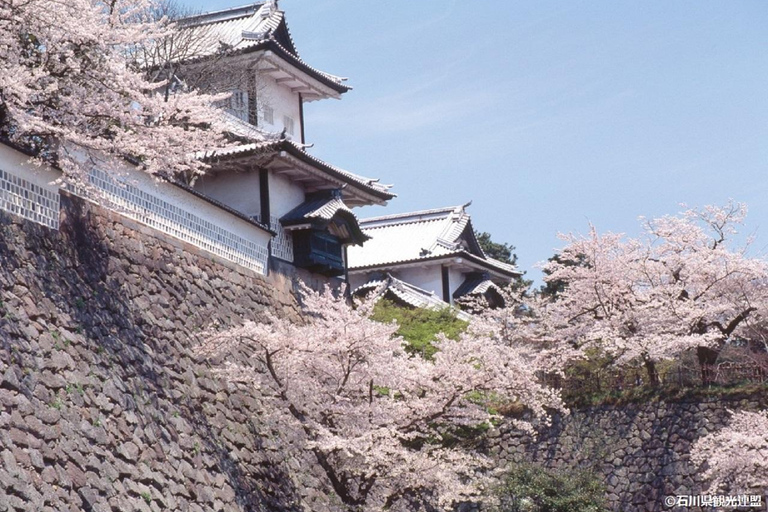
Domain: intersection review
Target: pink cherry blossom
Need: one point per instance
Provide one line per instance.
(343, 387)
(736, 457)
(681, 286)
(69, 87)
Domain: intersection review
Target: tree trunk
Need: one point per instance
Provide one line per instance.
(707, 358)
(653, 374)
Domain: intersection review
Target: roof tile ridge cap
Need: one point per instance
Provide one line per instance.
(491, 261)
(418, 213)
(185, 20)
(442, 238)
(273, 21)
(395, 224)
(301, 146)
(342, 206)
(290, 36)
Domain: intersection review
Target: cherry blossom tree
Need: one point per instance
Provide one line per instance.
(678, 287)
(736, 456)
(374, 416)
(71, 90)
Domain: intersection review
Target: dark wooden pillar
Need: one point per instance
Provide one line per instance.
(253, 105)
(446, 285)
(264, 196)
(301, 116)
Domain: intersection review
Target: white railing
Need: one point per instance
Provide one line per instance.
(28, 200)
(171, 219)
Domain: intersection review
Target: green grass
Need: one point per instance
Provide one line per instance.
(419, 327)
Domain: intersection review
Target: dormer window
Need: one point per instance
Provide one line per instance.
(321, 227)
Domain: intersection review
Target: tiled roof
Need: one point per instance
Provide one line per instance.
(250, 28)
(421, 236)
(407, 293)
(475, 286)
(296, 149)
(319, 211)
(322, 208)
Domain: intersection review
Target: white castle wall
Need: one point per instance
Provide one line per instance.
(28, 191)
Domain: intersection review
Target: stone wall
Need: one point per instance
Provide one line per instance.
(641, 450)
(102, 405)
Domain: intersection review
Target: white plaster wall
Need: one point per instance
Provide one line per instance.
(241, 191)
(15, 162)
(237, 190)
(284, 195)
(428, 278)
(18, 163)
(283, 102)
(455, 279)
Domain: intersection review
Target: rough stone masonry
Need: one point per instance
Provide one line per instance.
(103, 407)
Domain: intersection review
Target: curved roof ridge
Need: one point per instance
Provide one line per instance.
(409, 293)
(251, 28)
(415, 215)
(230, 13)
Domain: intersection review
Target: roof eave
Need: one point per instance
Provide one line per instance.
(485, 264)
(370, 194)
(294, 151)
(358, 237)
(278, 50)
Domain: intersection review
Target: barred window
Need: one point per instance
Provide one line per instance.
(25, 199)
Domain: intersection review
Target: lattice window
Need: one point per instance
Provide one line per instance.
(238, 105)
(182, 224)
(282, 242)
(25, 199)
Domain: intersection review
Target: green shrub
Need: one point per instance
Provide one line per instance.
(420, 326)
(533, 488)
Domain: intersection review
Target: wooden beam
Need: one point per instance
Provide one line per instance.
(446, 285)
(264, 196)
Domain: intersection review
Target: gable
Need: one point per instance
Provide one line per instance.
(283, 36)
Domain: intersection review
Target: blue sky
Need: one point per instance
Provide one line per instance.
(547, 115)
